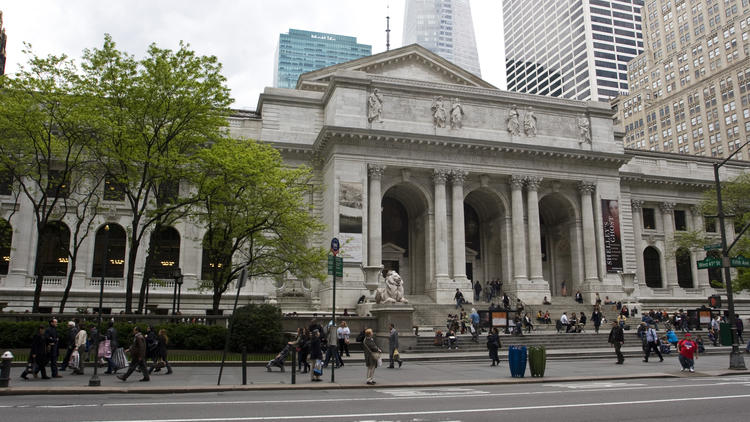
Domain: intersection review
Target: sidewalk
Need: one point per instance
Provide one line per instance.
(423, 371)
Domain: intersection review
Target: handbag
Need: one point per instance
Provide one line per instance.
(105, 349)
(75, 359)
(380, 360)
(118, 359)
(318, 367)
(395, 354)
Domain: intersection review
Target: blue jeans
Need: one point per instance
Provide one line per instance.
(685, 362)
(333, 351)
(459, 302)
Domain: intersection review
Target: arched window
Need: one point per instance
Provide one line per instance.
(116, 255)
(684, 268)
(166, 252)
(52, 250)
(6, 237)
(652, 266)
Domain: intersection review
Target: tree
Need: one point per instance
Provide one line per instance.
(735, 194)
(46, 139)
(154, 113)
(255, 213)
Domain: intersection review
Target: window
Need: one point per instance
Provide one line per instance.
(679, 220)
(709, 224)
(6, 183)
(113, 190)
(57, 184)
(649, 221)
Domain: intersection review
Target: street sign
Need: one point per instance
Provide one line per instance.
(339, 264)
(740, 261)
(709, 263)
(335, 246)
(712, 247)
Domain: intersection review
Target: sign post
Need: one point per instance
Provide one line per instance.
(709, 262)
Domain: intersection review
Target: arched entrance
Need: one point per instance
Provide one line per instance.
(404, 235)
(6, 239)
(557, 227)
(116, 255)
(483, 231)
(652, 267)
(684, 268)
(52, 251)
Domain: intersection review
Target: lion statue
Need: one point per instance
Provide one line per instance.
(393, 292)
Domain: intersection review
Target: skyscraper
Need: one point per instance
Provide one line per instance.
(3, 39)
(301, 51)
(571, 48)
(690, 89)
(444, 27)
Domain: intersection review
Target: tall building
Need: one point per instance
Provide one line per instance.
(571, 48)
(691, 87)
(3, 39)
(444, 27)
(301, 51)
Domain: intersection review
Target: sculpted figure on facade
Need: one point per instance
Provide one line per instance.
(393, 292)
(457, 114)
(514, 125)
(529, 122)
(439, 114)
(375, 107)
(584, 129)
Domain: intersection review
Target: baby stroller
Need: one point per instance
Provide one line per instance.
(278, 361)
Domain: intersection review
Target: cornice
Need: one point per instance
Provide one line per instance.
(642, 179)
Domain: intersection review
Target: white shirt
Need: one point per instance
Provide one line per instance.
(564, 319)
(343, 332)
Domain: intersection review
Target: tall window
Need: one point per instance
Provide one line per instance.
(684, 268)
(6, 183)
(113, 189)
(680, 223)
(115, 243)
(52, 251)
(652, 266)
(649, 221)
(166, 252)
(6, 237)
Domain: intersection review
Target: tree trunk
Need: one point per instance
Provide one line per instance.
(148, 270)
(132, 255)
(37, 273)
(66, 292)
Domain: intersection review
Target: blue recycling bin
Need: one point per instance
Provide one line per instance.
(517, 361)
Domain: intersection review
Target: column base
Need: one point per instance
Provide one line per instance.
(531, 292)
(445, 289)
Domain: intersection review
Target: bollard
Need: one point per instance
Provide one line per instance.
(5, 369)
(294, 367)
(244, 365)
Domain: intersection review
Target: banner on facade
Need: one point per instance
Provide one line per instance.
(350, 220)
(611, 227)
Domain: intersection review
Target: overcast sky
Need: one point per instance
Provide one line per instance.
(242, 34)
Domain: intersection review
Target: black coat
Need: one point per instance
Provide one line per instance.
(315, 351)
(616, 335)
(39, 348)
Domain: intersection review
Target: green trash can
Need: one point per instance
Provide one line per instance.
(725, 334)
(537, 360)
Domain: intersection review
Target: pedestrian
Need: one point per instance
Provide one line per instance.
(596, 318)
(740, 328)
(617, 339)
(579, 296)
(597, 300)
(393, 347)
(303, 349)
(316, 356)
(506, 302)
(332, 350)
(688, 353)
(474, 317)
(111, 335)
(372, 355)
(160, 355)
(53, 343)
(527, 322)
(37, 356)
(652, 340)
(477, 291)
(70, 344)
(343, 334)
(137, 352)
(459, 298)
(493, 345)
(79, 347)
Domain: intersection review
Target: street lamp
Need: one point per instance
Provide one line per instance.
(736, 360)
(95, 381)
(177, 276)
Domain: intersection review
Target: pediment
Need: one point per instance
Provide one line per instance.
(412, 62)
(390, 248)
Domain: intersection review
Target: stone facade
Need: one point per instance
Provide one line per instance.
(446, 205)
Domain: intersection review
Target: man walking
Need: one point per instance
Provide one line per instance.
(596, 318)
(71, 344)
(617, 339)
(137, 356)
(652, 340)
(53, 343)
(688, 353)
(477, 291)
(393, 347)
(459, 298)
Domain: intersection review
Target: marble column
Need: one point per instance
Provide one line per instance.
(670, 272)
(519, 239)
(637, 205)
(374, 225)
(459, 235)
(534, 236)
(700, 279)
(589, 235)
(441, 224)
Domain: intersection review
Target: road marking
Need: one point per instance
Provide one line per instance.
(438, 412)
(595, 385)
(432, 392)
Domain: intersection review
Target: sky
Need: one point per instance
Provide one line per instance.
(242, 34)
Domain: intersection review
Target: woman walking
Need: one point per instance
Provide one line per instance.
(316, 356)
(372, 355)
(37, 356)
(343, 334)
(302, 343)
(493, 344)
(160, 355)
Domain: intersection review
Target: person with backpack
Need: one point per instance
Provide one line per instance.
(652, 340)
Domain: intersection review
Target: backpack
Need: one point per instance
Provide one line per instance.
(361, 337)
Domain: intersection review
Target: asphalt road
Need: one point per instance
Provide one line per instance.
(670, 399)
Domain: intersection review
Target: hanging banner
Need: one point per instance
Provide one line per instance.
(611, 227)
(350, 220)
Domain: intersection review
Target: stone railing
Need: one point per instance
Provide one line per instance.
(161, 283)
(108, 282)
(47, 280)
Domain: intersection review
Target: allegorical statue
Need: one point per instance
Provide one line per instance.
(393, 292)
(514, 126)
(457, 114)
(375, 107)
(439, 115)
(529, 122)
(584, 130)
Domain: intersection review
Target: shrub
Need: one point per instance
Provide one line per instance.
(257, 327)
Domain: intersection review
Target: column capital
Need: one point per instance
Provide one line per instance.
(533, 182)
(517, 182)
(439, 176)
(586, 188)
(458, 176)
(636, 204)
(667, 207)
(375, 171)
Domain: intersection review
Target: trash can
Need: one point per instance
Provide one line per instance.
(7, 359)
(537, 360)
(725, 334)
(517, 361)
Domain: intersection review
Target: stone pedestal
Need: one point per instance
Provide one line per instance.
(373, 277)
(531, 292)
(400, 315)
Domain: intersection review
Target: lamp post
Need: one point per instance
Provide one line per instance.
(177, 276)
(736, 360)
(95, 381)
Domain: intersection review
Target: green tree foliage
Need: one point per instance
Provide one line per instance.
(256, 214)
(257, 327)
(153, 114)
(736, 201)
